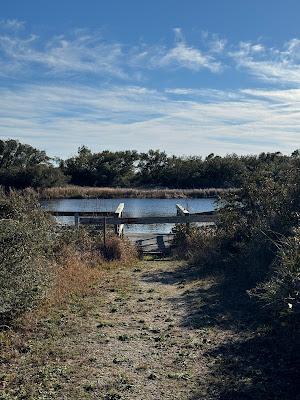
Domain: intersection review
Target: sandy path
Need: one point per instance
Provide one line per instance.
(146, 333)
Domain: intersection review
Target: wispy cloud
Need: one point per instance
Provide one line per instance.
(215, 44)
(11, 24)
(182, 55)
(60, 118)
(82, 53)
(79, 52)
(87, 52)
(113, 109)
(273, 65)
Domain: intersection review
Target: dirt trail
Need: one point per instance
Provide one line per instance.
(155, 331)
(151, 351)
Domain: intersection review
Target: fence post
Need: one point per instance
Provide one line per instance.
(183, 211)
(104, 232)
(76, 215)
(118, 214)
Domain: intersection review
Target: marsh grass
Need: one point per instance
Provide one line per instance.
(79, 192)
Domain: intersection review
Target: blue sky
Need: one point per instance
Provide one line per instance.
(188, 77)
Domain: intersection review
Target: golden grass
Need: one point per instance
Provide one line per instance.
(78, 273)
(79, 192)
(75, 277)
(71, 279)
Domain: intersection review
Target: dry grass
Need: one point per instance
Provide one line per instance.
(75, 277)
(119, 249)
(76, 273)
(79, 192)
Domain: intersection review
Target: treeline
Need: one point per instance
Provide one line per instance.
(22, 166)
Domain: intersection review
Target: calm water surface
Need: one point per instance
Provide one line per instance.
(133, 208)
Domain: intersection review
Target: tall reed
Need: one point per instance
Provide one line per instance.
(79, 192)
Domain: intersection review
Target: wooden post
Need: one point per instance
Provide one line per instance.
(76, 216)
(104, 232)
(118, 214)
(184, 212)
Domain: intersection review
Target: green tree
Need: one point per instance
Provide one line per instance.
(23, 166)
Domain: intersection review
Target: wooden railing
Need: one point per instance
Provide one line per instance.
(80, 213)
(116, 218)
(182, 211)
(173, 219)
(119, 229)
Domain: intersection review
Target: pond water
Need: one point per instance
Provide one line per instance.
(133, 208)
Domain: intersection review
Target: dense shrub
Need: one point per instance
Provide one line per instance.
(256, 238)
(26, 239)
(281, 292)
(116, 248)
(90, 248)
(251, 221)
(85, 243)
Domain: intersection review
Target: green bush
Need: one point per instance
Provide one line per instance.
(251, 222)
(256, 240)
(26, 239)
(281, 292)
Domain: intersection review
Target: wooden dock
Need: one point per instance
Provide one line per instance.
(148, 243)
(152, 244)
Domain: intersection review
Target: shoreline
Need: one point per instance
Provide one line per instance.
(79, 192)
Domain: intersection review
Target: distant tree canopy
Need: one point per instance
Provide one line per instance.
(21, 166)
(101, 169)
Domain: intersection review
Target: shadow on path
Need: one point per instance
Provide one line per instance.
(248, 358)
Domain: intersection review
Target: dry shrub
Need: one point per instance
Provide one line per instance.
(73, 277)
(81, 260)
(118, 249)
(82, 242)
(90, 248)
(76, 273)
(41, 263)
(197, 244)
